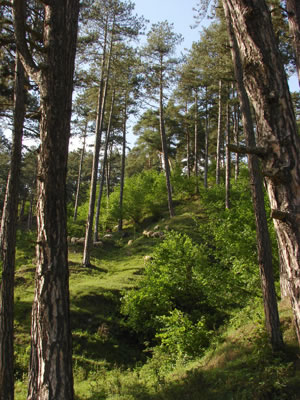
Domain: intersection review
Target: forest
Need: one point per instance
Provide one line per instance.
(164, 270)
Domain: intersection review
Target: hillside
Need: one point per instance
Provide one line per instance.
(110, 360)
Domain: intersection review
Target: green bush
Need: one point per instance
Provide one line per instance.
(176, 283)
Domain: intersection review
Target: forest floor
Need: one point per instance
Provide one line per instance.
(109, 361)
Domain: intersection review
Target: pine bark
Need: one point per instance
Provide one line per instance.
(263, 239)
(293, 10)
(8, 242)
(50, 370)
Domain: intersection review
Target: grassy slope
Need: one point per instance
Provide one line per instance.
(108, 361)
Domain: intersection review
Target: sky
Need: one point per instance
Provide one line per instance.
(178, 12)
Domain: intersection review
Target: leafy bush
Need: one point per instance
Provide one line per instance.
(176, 297)
(144, 194)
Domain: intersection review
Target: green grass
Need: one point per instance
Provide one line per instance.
(109, 362)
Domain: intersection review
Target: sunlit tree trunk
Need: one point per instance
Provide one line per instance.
(263, 238)
(8, 242)
(50, 370)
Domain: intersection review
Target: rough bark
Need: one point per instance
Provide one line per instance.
(219, 136)
(8, 242)
(293, 10)
(263, 239)
(79, 173)
(50, 371)
(164, 143)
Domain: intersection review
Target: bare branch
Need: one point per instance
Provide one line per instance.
(258, 151)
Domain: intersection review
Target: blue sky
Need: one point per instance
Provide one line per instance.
(178, 12)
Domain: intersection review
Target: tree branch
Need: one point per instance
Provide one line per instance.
(19, 26)
(258, 151)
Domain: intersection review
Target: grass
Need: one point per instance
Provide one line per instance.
(109, 362)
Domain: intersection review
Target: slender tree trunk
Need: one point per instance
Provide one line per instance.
(102, 175)
(219, 137)
(196, 140)
(99, 126)
(293, 9)
(164, 145)
(80, 172)
(236, 141)
(228, 159)
(8, 242)
(29, 219)
(206, 141)
(187, 135)
(264, 247)
(50, 371)
(120, 226)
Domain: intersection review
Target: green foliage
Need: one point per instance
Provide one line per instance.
(176, 289)
(144, 195)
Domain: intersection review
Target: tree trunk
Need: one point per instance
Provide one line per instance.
(187, 135)
(164, 144)
(8, 242)
(196, 140)
(219, 137)
(79, 172)
(236, 141)
(293, 9)
(206, 142)
(264, 247)
(99, 126)
(228, 159)
(102, 175)
(120, 226)
(50, 371)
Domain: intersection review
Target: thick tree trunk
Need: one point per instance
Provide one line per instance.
(79, 173)
(98, 133)
(102, 175)
(8, 242)
(293, 9)
(120, 226)
(263, 239)
(50, 371)
(164, 146)
(219, 136)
